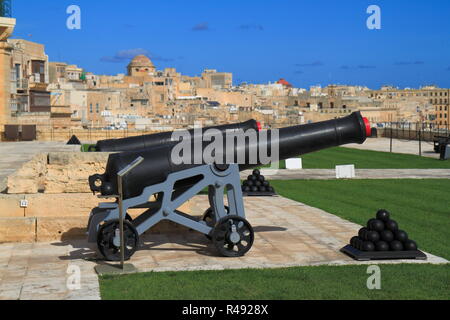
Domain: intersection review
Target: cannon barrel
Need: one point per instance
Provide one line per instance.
(147, 141)
(292, 141)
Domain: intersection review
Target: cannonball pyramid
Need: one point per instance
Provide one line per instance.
(257, 185)
(382, 239)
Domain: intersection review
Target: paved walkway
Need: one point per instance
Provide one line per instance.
(327, 174)
(288, 233)
(398, 146)
(15, 154)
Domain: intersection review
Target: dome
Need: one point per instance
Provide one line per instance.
(141, 61)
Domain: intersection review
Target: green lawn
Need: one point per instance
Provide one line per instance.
(421, 207)
(367, 159)
(323, 282)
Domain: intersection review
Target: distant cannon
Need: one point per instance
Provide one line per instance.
(147, 141)
(173, 184)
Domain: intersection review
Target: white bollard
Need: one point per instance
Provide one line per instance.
(345, 172)
(294, 164)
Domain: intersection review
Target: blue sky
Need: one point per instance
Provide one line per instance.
(305, 42)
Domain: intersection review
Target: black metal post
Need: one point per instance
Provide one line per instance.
(391, 139)
(420, 141)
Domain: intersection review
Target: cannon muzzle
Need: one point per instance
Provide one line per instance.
(290, 142)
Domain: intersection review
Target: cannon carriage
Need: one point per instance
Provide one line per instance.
(161, 185)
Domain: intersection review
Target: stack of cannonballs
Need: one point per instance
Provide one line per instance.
(382, 234)
(256, 184)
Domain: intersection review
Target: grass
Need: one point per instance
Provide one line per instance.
(322, 282)
(421, 207)
(367, 159)
(85, 147)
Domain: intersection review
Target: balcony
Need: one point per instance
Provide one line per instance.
(22, 84)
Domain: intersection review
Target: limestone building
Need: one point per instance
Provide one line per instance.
(141, 66)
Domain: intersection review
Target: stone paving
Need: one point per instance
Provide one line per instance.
(287, 233)
(327, 174)
(15, 154)
(398, 146)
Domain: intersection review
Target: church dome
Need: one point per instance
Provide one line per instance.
(141, 61)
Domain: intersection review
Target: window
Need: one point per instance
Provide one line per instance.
(97, 108)
(90, 108)
(17, 71)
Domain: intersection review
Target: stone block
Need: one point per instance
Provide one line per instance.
(345, 172)
(30, 177)
(61, 228)
(57, 172)
(17, 230)
(294, 164)
(61, 205)
(10, 206)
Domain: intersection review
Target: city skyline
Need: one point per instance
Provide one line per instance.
(297, 41)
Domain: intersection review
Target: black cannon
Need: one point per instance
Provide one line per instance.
(161, 184)
(147, 141)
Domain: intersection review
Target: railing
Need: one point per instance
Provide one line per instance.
(425, 131)
(22, 84)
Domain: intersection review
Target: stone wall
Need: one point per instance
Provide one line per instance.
(57, 217)
(59, 199)
(57, 172)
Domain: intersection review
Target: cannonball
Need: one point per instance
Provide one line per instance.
(401, 235)
(254, 189)
(250, 183)
(410, 245)
(387, 236)
(381, 246)
(245, 183)
(359, 243)
(362, 232)
(262, 178)
(246, 189)
(372, 236)
(396, 245)
(391, 225)
(256, 172)
(252, 178)
(271, 189)
(266, 183)
(352, 241)
(376, 225)
(368, 246)
(370, 222)
(258, 183)
(383, 215)
(262, 189)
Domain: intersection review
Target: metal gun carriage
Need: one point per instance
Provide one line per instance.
(160, 186)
